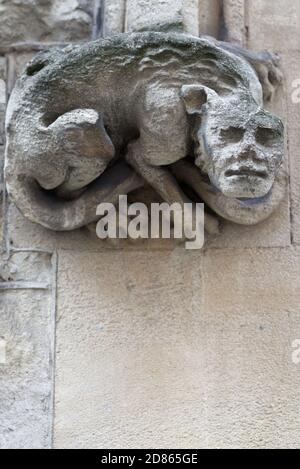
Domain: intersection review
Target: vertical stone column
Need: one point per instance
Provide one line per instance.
(114, 17)
(210, 15)
(27, 294)
(2, 115)
(234, 21)
(164, 14)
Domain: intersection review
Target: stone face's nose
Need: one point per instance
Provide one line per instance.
(254, 155)
(249, 153)
(249, 149)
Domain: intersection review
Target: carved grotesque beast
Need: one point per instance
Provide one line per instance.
(90, 122)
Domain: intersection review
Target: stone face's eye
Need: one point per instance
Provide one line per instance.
(266, 136)
(232, 134)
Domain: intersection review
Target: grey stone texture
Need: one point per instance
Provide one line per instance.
(67, 152)
(114, 17)
(234, 12)
(26, 330)
(210, 12)
(2, 97)
(174, 14)
(1, 166)
(45, 20)
(149, 365)
(157, 346)
(274, 24)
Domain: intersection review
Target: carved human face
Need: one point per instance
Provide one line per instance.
(241, 146)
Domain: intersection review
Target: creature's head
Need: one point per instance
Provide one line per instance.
(238, 144)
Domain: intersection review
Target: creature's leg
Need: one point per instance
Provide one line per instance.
(76, 151)
(164, 139)
(161, 179)
(85, 146)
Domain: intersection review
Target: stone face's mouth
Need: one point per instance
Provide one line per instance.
(245, 171)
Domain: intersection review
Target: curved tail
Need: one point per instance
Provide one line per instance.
(249, 212)
(44, 207)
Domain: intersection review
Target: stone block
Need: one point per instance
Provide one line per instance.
(114, 17)
(262, 280)
(295, 182)
(45, 20)
(177, 350)
(174, 14)
(2, 97)
(291, 69)
(1, 167)
(273, 25)
(234, 21)
(250, 325)
(209, 17)
(127, 350)
(274, 232)
(24, 234)
(26, 358)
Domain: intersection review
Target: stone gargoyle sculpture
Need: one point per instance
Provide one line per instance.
(88, 123)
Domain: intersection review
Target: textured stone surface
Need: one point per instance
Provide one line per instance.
(1, 216)
(1, 167)
(276, 231)
(132, 356)
(291, 67)
(2, 120)
(295, 183)
(175, 14)
(273, 232)
(234, 20)
(274, 25)
(251, 309)
(241, 158)
(260, 280)
(210, 17)
(25, 234)
(16, 65)
(26, 325)
(45, 20)
(114, 17)
(168, 348)
(164, 356)
(2, 97)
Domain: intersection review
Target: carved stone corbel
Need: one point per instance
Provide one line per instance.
(88, 123)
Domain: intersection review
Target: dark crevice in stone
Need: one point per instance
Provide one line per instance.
(98, 24)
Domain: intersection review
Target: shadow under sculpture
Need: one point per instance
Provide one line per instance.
(182, 114)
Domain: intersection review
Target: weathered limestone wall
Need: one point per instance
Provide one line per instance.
(148, 345)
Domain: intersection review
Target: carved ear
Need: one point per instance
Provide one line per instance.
(196, 96)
